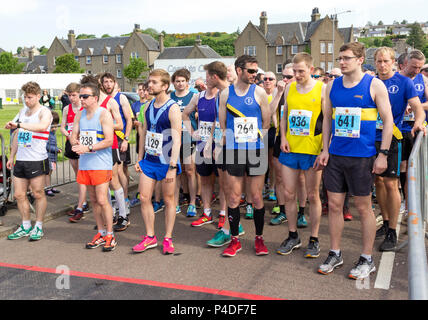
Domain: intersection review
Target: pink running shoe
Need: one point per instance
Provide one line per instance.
(168, 247)
(147, 243)
(260, 247)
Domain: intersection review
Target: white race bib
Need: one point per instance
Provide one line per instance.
(409, 117)
(246, 129)
(154, 143)
(348, 122)
(88, 137)
(299, 122)
(205, 128)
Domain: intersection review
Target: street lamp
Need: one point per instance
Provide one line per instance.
(334, 18)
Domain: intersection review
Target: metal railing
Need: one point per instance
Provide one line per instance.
(417, 190)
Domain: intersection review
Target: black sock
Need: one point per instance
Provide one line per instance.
(301, 211)
(386, 224)
(259, 220)
(234, 217)
(403, 178)
(313, 239)
(249, 204)
(282, 208)
(293, 235)
(186, 196)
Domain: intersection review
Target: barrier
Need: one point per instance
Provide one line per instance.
(417, 190)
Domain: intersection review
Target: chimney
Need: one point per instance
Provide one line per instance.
(31, 54)
(263, 23)
(136, 28)
(71, 39)
(198, 41)
(315, 15)
(161, 45)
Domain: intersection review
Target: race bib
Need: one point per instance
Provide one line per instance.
(379, 122)
(246, 129)
(217, 132)
(348, 122)
(88, 137)
(70, 127)
(24, 138)
(299, 122)
(205, 128)
(154, 143)
(409, 117)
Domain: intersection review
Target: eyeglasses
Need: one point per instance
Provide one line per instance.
(270, 79)
(345, 58)
(316, 76)
(85, 96)
(288, 77)
(251, 71)
(333, 76)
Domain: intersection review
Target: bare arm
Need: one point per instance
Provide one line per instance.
(418, 110)
(45, 120)
(64, 121)
(74, 139)
(113, 107)
(126, 108)
(191, 107)
(262, 99)
(175, 120)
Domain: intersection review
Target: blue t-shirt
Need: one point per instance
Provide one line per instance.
(136, 107)
(400, 90)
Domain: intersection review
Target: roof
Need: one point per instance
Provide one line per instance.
(287, 31)
(346, 33)
(39, 61)
(183, 52)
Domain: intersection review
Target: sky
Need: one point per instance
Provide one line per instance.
(37, 22)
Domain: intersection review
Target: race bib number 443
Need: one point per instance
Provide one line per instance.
(348, 122)
(246, 129)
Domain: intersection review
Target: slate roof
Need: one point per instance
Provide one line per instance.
(39, 61)
(183, 52)
(287, 31)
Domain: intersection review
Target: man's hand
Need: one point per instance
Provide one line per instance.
(137, 167)
(11, 125)
(124, 146)
(322, 160)
(285, 146)
(80, 149)
(9, 164)
(380, 164)
(416, 128)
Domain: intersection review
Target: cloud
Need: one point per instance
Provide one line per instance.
(17, 8)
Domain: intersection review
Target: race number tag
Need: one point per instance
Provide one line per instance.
(217, 132)
(246, 129)
(154, 143)
(24, 138)
(379, 122)
(299, 122)
(348, 122)
(205, 128)
(70, 127)
(409, 117)
(88, 137)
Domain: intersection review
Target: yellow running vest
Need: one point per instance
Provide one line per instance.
(304, 120)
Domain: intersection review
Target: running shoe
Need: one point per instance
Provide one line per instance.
(55, 190)
(85, 208)
(198, 202)
(110, 243)
(97, 241)
(288, 245)
(347, 216)
(390, 242)
(332, 262)
(201, 221)
(49, 193)
(147, 243)
(134, 202)
(221, 221)
(275, 210)
(36, 234)
(313, 249)
(242, 202)
(260, 247)
(324, 211)
(20, 233)
(78, 215)
(115, 216)
(177, 210)
(219, 240)
(158, 206)
(249, 212)
(233, 248)
(122, 224)
(402, 207)
(382, 231)
(281, 218)
(272, 195)
(191, 211)
(241, 230)
(362, 269)
(168, 247)
(301, 221)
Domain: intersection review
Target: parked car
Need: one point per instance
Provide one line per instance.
(132, 97)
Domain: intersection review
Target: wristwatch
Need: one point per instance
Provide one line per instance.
(384, 151)
(126, 138)
(172, 167)
(90, 147)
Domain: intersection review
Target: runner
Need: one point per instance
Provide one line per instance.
(69, 113)
(160, 147)
(301, 143)
(92, 138)
(350, 157)
(244, 112)
(401, 93)
(32, 165)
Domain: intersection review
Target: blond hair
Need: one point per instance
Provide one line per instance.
(385, 51)
(304, 57)
(164, 75)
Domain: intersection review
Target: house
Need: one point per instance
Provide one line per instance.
(197, 51)
(110, 54)
(274, 44)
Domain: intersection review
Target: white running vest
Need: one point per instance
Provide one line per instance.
(32, 145)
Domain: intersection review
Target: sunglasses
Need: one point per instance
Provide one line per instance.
(251, 71)
(333, 76)
(270, 79)
(424, 70)
(85, 96)
(315, 76)
(288, 77)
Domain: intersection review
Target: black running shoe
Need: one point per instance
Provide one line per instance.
(121, 225)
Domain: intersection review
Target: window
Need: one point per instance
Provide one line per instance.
(330, 47)
(105, 58)
(118, 58)
(88, 59)
(10, 93)
(250, 50)
(294, 49)
(279, 50)
(322, 65)
(322, 47)
(330, 66)
(76, 58)
(119, 74)
(279, 68)
(134, 55)
(54, 60)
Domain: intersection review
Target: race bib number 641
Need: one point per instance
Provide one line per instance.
(348, 122)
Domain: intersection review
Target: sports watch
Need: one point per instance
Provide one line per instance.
(384, 151)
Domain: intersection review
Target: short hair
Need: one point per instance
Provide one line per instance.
(31, 88)
(89, 78)
(357, 48)
(304, 57)
(181, 73)
(217, 68)
(241, 61)
(107, 75)
(386, 51)
(321, 70)
(72, 87)
(402, 58)
(55, 117)
(93, 87)
(416, 54)
(164, 75)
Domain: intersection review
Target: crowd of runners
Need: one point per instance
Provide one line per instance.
(243, 137)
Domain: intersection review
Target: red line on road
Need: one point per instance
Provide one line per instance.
(144, 282)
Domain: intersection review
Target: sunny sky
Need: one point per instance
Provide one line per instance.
(37, 22)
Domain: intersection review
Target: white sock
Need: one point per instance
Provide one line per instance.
(226, 231)
(39, 224)
(120, 200)
(26, 224)
(103, 232)
(337, 252)
(223, 213)
(367, 257)
(207, 212)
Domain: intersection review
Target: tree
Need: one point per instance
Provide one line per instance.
(404, 21)
(85, 36)
(377, 42)
(133, 71)
(67, 64)
(106, 35)
(416, 37)
(19, 50)
(380, 23)
(9, 64)
(387, 42)
(43, 50)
